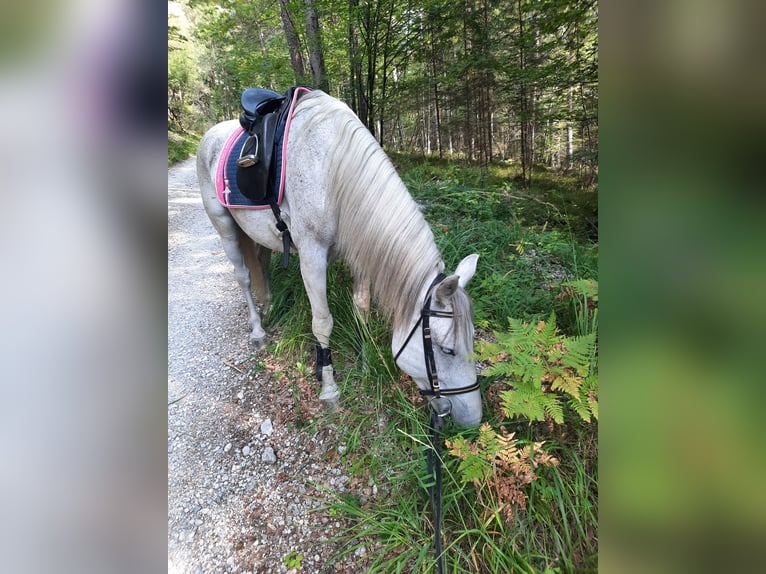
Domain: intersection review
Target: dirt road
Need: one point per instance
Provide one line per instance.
(240, 481)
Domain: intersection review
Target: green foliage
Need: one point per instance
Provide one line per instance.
(523, 259)
(486, 71)
(181, 146)
(474, 466)
(543, 367)
(244, 46)
(293, 560)
(184, 81)
(583, 294)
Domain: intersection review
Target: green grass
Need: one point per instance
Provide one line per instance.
(527, 243)
(530, 242)
(181, 146)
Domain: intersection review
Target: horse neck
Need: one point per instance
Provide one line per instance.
(392, 248)
(381, 232)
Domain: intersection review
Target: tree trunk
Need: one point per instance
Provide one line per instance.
(486, 88)
(314, 41)
(570, 139)
(435, 81)
(587, 137)
(386, 64)
(371, 45)
(358, 102)
(427, 122)
(468, 131)
(524, 111)
(293, 43)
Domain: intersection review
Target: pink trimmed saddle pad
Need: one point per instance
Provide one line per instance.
(226, 179)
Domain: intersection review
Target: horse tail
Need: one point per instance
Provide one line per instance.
(257, 260)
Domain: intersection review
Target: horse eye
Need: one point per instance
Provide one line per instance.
(447, 351)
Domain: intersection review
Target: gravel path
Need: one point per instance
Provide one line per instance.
(240, 481)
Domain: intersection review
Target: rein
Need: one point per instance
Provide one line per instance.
(440, 408)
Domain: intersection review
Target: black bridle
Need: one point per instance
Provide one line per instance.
(440, 408)
(428, 349)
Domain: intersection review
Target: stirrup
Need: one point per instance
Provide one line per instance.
(249, 159)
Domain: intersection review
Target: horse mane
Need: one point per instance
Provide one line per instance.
(382, 234)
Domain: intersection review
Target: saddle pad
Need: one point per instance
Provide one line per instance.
(229, 193)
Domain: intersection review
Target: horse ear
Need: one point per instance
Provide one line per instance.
(466, 268)
(446, 289)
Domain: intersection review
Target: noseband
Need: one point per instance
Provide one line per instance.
(442, 408)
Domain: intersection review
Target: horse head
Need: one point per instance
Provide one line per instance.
(445, 318)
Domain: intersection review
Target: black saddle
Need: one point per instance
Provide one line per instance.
(259, 101)
(263, 117)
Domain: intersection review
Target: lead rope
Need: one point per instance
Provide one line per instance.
(437, 420)
(434, 466)
(435, 490)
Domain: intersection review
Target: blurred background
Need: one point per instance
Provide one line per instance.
(82, 167)
(682, 275)
(82, 228)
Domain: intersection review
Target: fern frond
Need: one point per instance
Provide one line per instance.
(474, 468)
(580, 352)
(526, 400)
(589, 394)
(567, 383)
(582, 408)
(544, 368)
(553, 407)
(593, 404)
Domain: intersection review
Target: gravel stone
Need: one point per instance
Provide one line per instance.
(268, 455)
(224, 514)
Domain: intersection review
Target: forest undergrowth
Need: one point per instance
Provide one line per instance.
(521, 491)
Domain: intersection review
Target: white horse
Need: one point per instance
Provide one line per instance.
(343, 198)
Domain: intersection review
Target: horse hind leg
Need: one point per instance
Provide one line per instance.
(235, 247)
(257, 258)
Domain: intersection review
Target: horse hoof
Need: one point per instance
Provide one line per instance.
(258, 342)
(331, 405)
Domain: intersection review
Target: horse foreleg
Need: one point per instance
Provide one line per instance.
(314, 272)
(362, 311)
